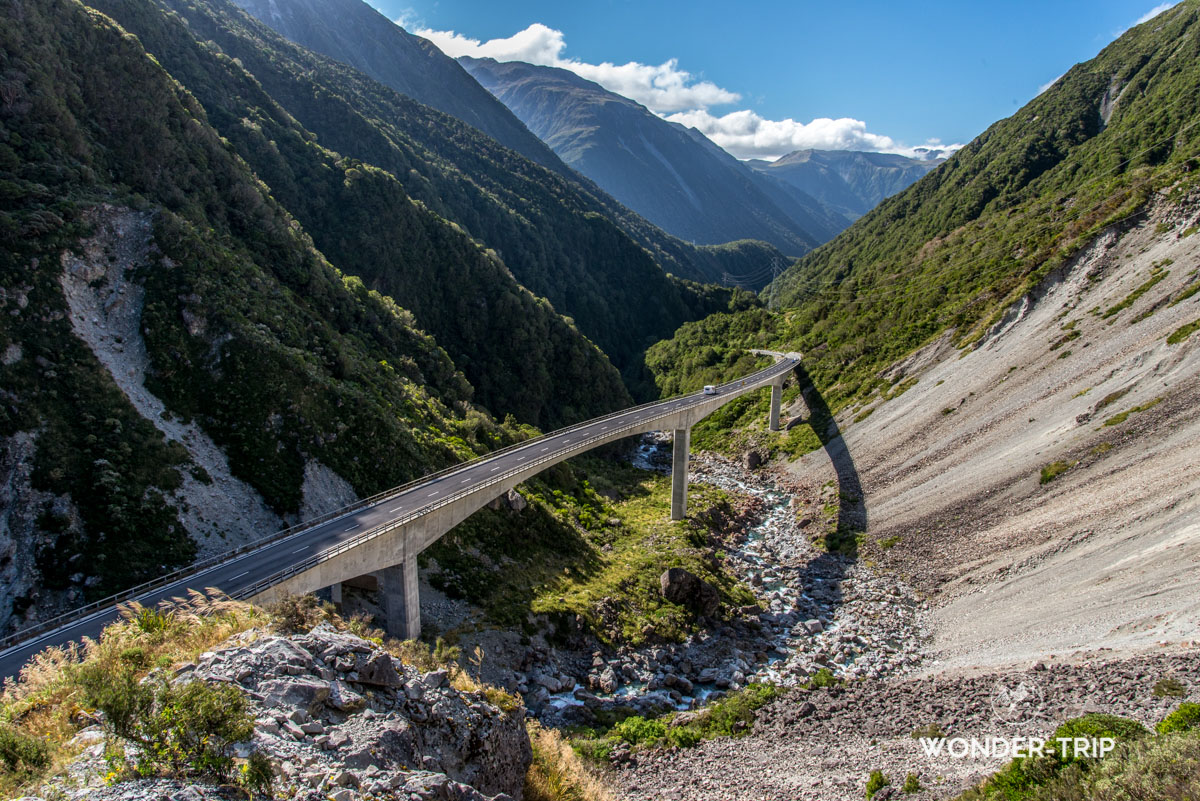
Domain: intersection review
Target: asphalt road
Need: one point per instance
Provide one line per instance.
(244, 571)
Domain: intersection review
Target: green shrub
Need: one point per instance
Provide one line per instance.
(179, 729)
(258, 775)
(930, 731)
(876, 782)
(1185, 718)
(22, 753)
(1054, 470)
(1096, 725)
(823, 678)
(640, 731)
(912, 784)
(1169, 686)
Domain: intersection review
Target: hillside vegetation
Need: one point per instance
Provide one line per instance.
(558, 240)
(248, 330)
(957, 249)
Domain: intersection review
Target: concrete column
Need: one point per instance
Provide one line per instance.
(335, 594)
(679, 473)
(400, 595)
(776, 399)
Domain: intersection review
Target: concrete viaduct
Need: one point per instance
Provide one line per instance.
(383, 535)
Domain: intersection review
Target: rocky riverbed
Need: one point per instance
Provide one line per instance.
(816, 611)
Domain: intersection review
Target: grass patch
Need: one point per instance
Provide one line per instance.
(890, 542)
(1070, 336)
(1183, 332)
(864, 414)
(557, 773)
(1186, 293)
(930, 731)
(1117, 419)
(731, 716)
(1101, 449)
(1156, 275)
(1112, 398)
(1054, 470)
(1081, 393)
(1169, 687)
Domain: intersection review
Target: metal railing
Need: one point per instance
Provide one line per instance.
(213, 561)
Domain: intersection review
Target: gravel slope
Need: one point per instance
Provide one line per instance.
(1084, 587)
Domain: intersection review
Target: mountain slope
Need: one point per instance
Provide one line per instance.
(657, 168)
(181, 368)
(361, 37)
(850, 182)
(554, 236)
(974, 236)
(354, 33)
(542, 370)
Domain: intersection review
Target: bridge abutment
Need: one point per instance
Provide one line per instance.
(679, 472)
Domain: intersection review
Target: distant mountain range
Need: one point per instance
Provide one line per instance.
(668, 174)
(848, 181)
(678, 179)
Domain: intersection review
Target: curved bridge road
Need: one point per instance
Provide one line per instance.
(390, 529)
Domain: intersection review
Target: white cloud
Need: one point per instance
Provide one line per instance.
(1049, 83)
(1152, 13)
(1149, 15)
(747, 135)
(676, 95)
(663, 88)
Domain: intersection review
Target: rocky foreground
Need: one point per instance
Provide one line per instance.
(341, 719)
(821, 745)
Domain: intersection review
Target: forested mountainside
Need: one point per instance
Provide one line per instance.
(354, 33)
(962, 245)
(552, 237)
(138, 246)
(659, 169)
(847, 181)
(541, 371)
(502, 178)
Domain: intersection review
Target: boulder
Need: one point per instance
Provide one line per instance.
(752, 459)
(295, 693)
(343, 699)
(377, 669)
(685, 588)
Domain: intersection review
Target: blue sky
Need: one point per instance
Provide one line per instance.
(763, 78)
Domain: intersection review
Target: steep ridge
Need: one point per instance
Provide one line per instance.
(977, 234)
(657, 168)
(143, 258)
(555, 238)
(848, 181)
(354, 33)
(542, 370)
(1017, 391)
(364, 39)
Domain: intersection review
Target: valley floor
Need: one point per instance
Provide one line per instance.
(1041, 491)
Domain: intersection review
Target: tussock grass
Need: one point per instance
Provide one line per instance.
(557, 772)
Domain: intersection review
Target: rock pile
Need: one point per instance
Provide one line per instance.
(341, 719)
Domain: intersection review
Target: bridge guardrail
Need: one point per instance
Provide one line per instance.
(354, 542)
(199, 567)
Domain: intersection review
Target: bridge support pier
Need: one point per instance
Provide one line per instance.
(335, 594)
(679, 472)
(400, 594)
(776, 399)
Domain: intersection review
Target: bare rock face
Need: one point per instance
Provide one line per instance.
(685, 588)
(341, 718)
